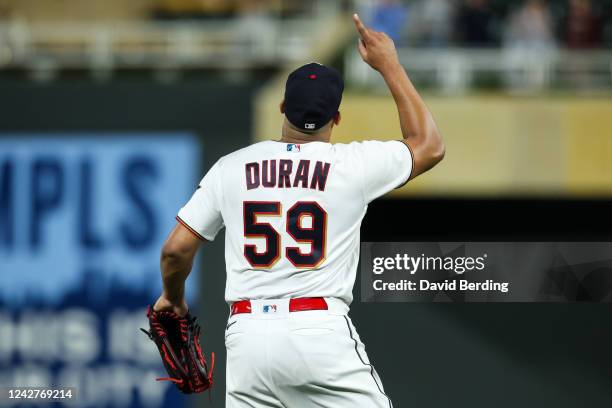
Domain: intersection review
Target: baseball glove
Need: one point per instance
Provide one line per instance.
(178, 341)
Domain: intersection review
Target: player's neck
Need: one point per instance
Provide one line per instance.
(291, 135)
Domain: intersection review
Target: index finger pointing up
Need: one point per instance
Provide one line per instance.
(363, 31)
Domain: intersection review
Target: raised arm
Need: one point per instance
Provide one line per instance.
(176, 260)
(418, 127)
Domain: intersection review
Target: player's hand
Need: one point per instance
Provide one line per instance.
(164, 304)
(375, 48)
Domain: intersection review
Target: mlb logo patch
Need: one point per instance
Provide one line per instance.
(269, 309)
(293, 147)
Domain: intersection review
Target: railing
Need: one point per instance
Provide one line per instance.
(456, 70)
(107, 46)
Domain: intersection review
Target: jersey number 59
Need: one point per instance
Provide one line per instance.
(314, 234)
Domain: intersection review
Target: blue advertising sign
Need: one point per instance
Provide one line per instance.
(82, 221)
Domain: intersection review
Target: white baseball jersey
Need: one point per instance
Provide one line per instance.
(293, 212)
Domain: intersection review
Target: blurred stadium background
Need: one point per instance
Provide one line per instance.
(111, 111)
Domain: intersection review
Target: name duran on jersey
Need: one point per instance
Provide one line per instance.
(280, 174)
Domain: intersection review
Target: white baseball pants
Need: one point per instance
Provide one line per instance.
(298, 360)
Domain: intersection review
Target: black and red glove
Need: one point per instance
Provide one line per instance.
(178, 341)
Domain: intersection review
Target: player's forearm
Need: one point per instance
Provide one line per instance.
(175, 269)
(177, 256)
(416, 121)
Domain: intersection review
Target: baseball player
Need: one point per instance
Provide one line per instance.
(292, 209)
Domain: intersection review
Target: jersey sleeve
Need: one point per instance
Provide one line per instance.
(202, 213)
(386, 166)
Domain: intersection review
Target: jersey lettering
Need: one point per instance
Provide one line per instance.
(281, 174)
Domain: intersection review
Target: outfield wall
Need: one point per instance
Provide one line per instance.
(559, 146)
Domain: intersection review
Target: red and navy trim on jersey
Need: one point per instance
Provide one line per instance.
(194, 232)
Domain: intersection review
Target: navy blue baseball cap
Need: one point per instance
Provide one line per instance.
(312, 96)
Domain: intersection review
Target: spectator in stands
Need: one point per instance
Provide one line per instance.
(432, 21)
(531, 27)
(530, 46)
(583, 26)
(255, 27)
(474, 24)
(389, 16)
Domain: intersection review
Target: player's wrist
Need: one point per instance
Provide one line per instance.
(168, 304)
(391, 68)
